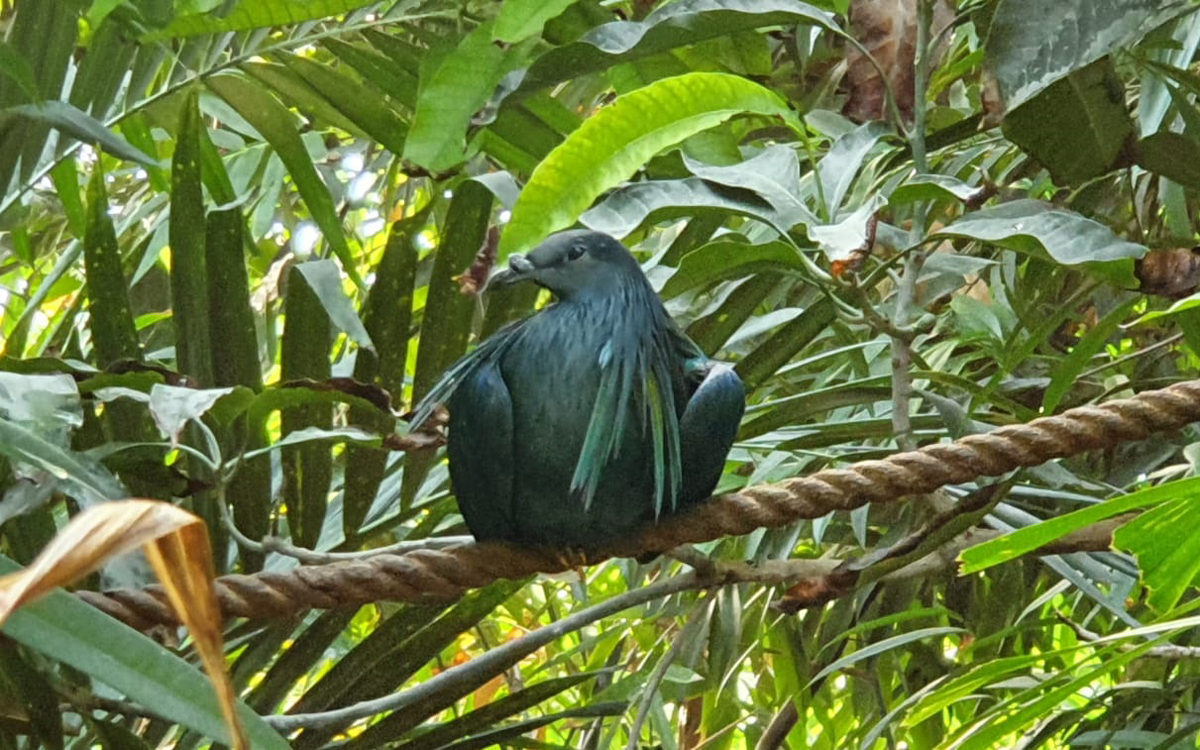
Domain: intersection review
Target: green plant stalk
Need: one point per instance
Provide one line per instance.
(907, 291)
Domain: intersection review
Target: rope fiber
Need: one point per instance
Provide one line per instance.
(441, 575)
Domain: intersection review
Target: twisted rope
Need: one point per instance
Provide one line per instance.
(442, 575)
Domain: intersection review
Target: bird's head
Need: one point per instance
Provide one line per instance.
(572, 263)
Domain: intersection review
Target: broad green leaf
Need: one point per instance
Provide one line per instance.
(83, 479)
(1174, 156)
(631, 206)
(520, 19)
(1167, 551)
(77, 124)
(1077, 127)
(933, 187)
(729, 258)
(669, 26)
(1026, 540)
(48, 403)
(278, 127)
(617, 140)
(173, 407)
(841, 240)
(1033, 43)
(773, 173)
(453, 87)
(69, 631)
(837, 168)
(1027, 225)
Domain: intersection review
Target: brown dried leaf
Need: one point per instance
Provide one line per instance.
(176, 543)
(1173, 273)
(887, 30)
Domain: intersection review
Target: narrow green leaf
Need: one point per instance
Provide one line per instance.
(23, 685)
(384, 73)
(189, 274)
(447, 318)
(304, 353)
(479, 719)
(1022, 541)
(1068, 368)
(14, 65)
(278, 126)
(65, 176)
(803, 407)
(77, 124)
(729, 258)
(782, 345)
(246, 15)
(453, 87)
(616, 141)
(712, 331)
(446, 322)
(114, 334)
(69, 631)
(325, 281)
(236, 362)
(387, 316)
(355, 101)
(882, 647)
(305, 651)
(404, 647)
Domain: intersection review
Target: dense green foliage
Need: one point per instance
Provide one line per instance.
(250, 234)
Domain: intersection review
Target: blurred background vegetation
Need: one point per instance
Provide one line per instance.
(250, 234)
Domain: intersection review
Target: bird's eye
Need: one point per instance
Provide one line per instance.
(576, 252)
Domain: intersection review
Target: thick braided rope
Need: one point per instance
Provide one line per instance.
(442, 575)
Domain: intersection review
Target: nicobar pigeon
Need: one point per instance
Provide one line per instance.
(590, 418)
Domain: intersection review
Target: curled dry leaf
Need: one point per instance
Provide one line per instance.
(175, 542)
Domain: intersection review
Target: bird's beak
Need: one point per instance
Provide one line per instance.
(519, 269)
